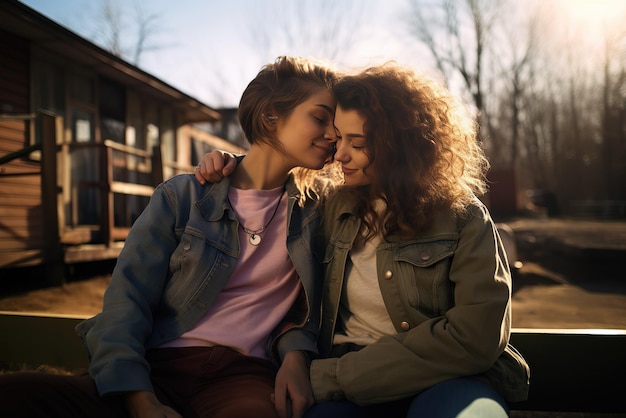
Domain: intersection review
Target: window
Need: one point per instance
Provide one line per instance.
(48, 94)
(112, 102)
(49, 87)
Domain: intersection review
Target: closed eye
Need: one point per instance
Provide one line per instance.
(337, 133)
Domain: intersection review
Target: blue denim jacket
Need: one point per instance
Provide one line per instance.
(176, 259)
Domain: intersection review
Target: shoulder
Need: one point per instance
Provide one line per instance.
(475, 221)
(184, 190)
(182, 184)
(474, 213)
(343, 201)
(179, 181)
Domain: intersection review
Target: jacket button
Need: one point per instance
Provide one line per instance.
(404, 325)
(425, 256)
(187, 246)
(388, 274)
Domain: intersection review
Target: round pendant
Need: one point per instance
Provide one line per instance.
(255, 239)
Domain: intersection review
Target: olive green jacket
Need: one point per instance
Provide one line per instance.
(448, 294)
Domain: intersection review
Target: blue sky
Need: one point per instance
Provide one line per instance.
(209, 48)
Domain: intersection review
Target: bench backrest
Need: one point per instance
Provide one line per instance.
(574, 370)
(570, 370)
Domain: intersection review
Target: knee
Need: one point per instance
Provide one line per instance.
(460, 398)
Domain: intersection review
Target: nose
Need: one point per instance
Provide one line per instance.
(341, 153)
(330, 133)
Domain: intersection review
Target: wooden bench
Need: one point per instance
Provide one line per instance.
(572, 370)
(34, 339)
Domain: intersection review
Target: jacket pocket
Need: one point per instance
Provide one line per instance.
(190, 262)
(424, 274)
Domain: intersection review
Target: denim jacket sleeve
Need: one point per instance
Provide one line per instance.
(116, 338)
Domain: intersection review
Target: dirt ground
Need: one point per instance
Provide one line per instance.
(572, 274)
(571, 277)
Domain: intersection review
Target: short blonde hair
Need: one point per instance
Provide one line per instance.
(276, 91)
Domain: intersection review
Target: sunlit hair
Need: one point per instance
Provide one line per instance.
(275, 92)
(422, 145)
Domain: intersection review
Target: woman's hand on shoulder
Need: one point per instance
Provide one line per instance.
(214, 166)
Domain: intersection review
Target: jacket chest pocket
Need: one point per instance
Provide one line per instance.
(424, 269)
(190, 263)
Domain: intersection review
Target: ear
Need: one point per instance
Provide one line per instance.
(269, 118)
(269, 121)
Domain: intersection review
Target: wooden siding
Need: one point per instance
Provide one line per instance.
(21, 225)
(39, 222)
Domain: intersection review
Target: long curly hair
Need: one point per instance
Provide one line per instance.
(422, 145)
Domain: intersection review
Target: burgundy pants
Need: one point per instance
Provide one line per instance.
(195, 381)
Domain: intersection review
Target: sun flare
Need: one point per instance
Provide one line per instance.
(589, 23)
(595, 11)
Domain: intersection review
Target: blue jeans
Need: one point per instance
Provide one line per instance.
(466, 397)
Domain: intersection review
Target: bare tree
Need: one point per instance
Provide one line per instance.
(548, 103)
(512, 59)
(111, 27)
(148, 25)
(325, 29)
(456, 34)
(113, 31)
(614, 116)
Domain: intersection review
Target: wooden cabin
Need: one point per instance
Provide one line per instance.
(84, 139)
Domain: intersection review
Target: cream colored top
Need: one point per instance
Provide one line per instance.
(362, 310)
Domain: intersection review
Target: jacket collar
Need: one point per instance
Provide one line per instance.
(343, 203)
(214, 201)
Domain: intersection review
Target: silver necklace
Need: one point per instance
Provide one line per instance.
(255, 238)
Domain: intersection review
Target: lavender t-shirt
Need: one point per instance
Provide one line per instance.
(263, 286)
